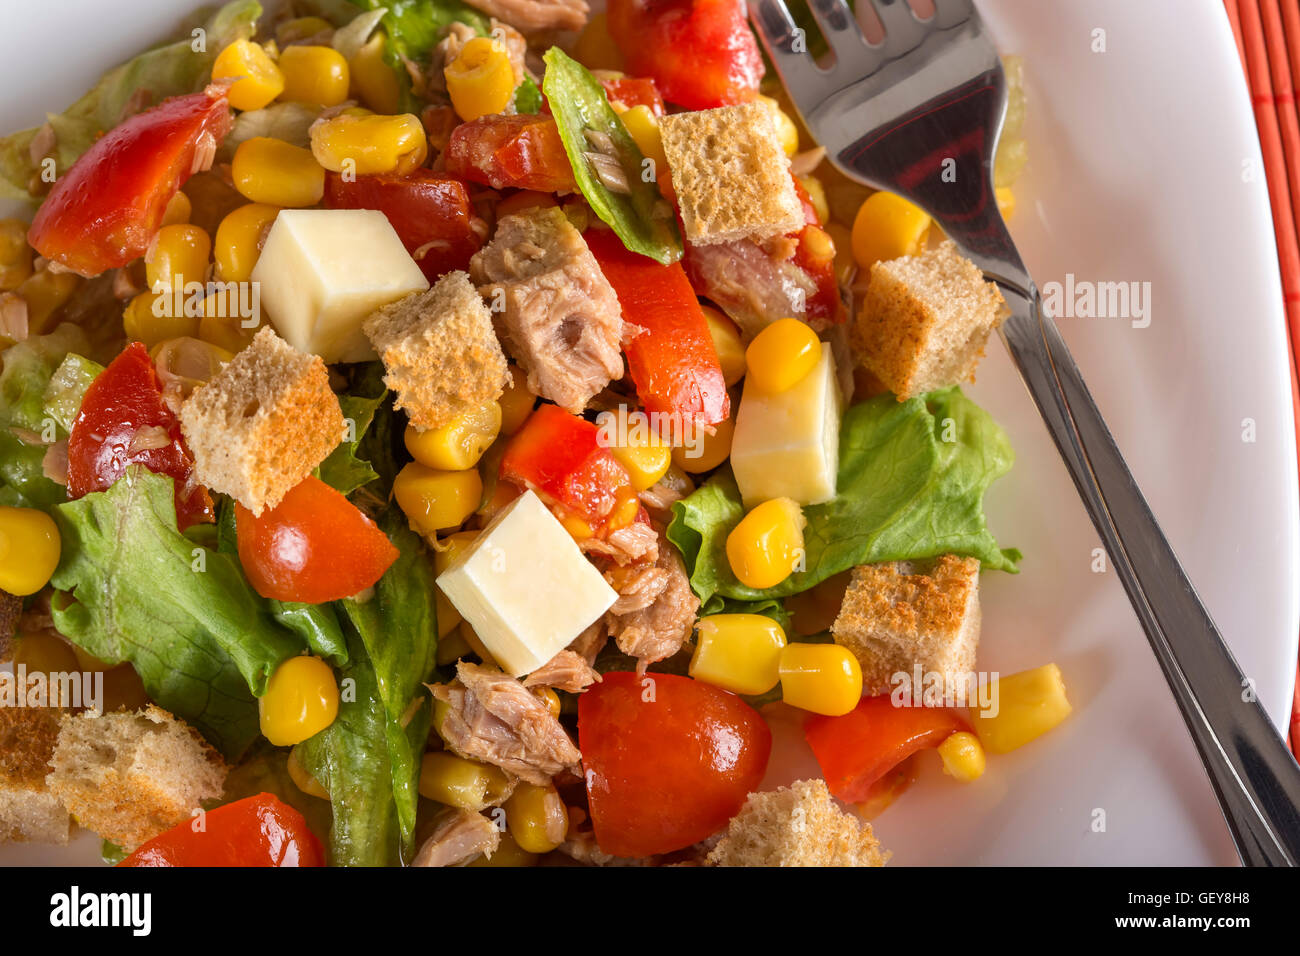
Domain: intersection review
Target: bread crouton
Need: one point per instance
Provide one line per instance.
(798, 825)
(11, 609)
(900, 615)
(925, 320)
(262, 423)
(731, 175)
(131, 776)
(440, 353)
(29, 812)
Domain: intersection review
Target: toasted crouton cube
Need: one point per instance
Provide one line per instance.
(262, 423)
(440, 353)
(925, 320)
(797, 825)
(131, 776)
(900, 615)
(731, 174)
(29, 812)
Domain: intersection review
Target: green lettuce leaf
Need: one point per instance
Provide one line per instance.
(164, 71)
(67, 387)
(318, 626)
(580, 105)
(343, 470)
(135, 589)
(528, 98)
(904, 492)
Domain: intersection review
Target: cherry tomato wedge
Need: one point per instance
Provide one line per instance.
(314, 546)
(255, 831)
(103, 212)
(123, 421)
(523, 152)
(669, 760)
(862, 746)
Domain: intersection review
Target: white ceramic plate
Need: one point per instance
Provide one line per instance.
(1145, 167)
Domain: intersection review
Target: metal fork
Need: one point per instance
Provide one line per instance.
(919, 114)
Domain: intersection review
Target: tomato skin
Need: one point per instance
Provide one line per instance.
(122, 400)
(427, 210)
(700, 53)
(825, 303)
(103, 212)
(665, 773)
(634, 91)
(859, 748)
(524, 152)
(255, 831)
(314, 546)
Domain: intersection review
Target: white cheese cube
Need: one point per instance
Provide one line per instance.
(525, 587)
(322, 273)
(787, 444)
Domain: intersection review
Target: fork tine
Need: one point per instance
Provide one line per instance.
(840, 27)
(903, 30)
(948, 13)
(777, 31)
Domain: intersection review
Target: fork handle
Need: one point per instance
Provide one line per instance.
(1255, 777)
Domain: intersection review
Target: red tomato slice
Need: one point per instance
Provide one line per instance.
(669, 760)
(825, 303)
(104, 211)
(857, 749)
(123, 421)
(255, 831)
(314, 546)
(430, 212)
(634, 91)
(700, 53)
(524, 152)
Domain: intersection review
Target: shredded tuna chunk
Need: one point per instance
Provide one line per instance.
(591, 642)
(583, 848)
(558, 314)
(636, 543)
(753, 284)
(566, 671)
(494, 718)
(638, 590)
(533, 15)
(658, 630)
(460, 836)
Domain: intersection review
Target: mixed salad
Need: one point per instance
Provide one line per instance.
(463, 421)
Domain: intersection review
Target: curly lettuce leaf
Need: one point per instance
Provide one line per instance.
(905, 491)
(67, 387)
(343, 470)
(133, 588)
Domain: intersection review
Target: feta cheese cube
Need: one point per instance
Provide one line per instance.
(787, 444)
(525, 587)
(322, 273)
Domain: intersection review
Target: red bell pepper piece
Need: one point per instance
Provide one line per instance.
(104, 211)
(255, 831)
(634, 91)
(669, 760)
(700, 53)
(859, 748)
(430, 212)
(673, 361)
(561, 457)
(524, 152)
(123, 421)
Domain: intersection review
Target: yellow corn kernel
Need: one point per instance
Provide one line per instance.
(578, 529)
(820, 678)
(786, 130)
(301, 700)
(550, 698)
(1022, 707)
(374, 82)
(481, 80)
(1006, 200)
(370, 144)
(782, 355)
(239, 239)
(302, 779)
(704, 452)
(738, 652)
(767, 544)
(817, 196)
(516, 402)
(314, 74)
(223, 327)
(460, 443)
(476, 644)
(963, 757)
(595, 48)
(177, 255)
(178, 211)
(258, 81)
(624, 512)
(451, 644)
(508, 853)
(29, 550)
(537, 818)
(45, 292)
(46, 653)
(458, 782)
(643, 126)
(15, 254)
(886, 227)
(727, 343)
(277, 173)
(639, 449)
(146, 319)
(437, 500)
